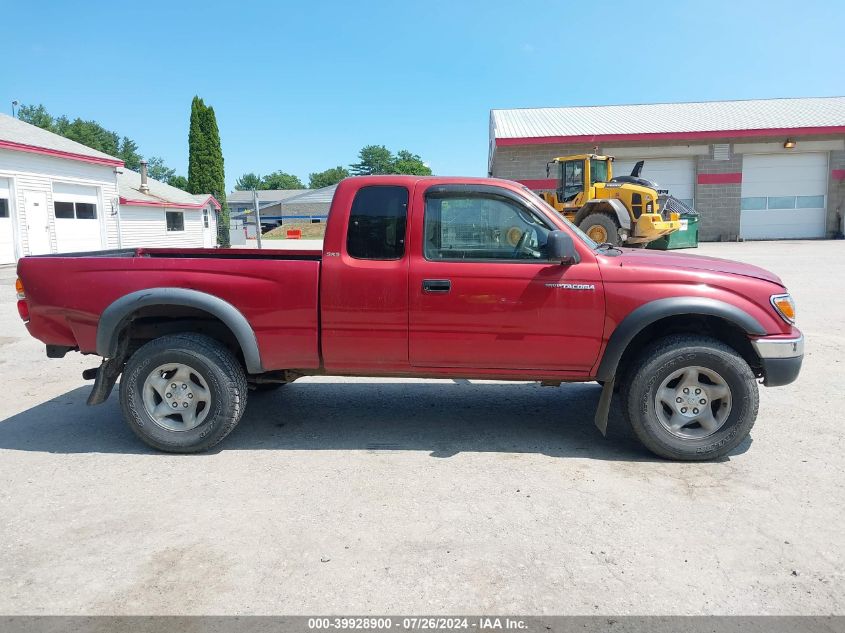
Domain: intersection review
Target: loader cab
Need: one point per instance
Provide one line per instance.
(577, 177)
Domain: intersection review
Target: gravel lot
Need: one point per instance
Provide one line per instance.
(413, 496)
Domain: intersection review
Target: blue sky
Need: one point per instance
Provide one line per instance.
(302, 86)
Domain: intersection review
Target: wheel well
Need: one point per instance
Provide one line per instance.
(720, 329)
(151, 322)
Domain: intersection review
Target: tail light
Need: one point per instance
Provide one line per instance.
(23, 306)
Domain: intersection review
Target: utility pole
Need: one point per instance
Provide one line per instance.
(257, 216)
(14, 105)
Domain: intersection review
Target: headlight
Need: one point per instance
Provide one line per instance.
(785, 307)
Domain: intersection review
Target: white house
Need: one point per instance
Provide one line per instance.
(58, 196)
(153, 213)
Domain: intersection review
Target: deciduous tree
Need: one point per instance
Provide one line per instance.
(248, 182)
(327, 178)
(281, 180)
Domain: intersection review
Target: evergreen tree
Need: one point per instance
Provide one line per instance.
(206, 172)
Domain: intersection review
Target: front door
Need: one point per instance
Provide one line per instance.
(483, 294)
(37, 222)
(208, 238)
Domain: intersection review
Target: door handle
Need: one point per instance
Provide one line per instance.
(437, 285)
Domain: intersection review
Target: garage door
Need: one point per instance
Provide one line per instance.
(77, 218)
(675, 174)
(783, 196)
(7, 244)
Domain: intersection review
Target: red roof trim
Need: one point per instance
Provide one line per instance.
(540, 183)
(720, 179)
(838, 174)
(20, 147)
(174, 205)
(671, 136)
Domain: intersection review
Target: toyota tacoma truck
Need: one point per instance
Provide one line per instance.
(422, 277)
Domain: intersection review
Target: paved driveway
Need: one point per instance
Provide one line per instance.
(411, 496)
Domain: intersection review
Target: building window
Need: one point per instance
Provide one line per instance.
(79, 210)
(782, 202)
(810, 202)
(64, 210)
(205, 218)
(377, 223)
(175, 220)
(4, 208)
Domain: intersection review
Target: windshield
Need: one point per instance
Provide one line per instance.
(543, 205)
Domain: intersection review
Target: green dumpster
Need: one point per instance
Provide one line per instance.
(685, 237)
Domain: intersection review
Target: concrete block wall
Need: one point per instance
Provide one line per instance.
(528, 162)
(718, 203)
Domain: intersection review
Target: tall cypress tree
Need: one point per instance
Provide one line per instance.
(205, 162)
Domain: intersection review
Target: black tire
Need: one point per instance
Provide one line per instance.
(659, 361)
(218, 369)
(604, 221)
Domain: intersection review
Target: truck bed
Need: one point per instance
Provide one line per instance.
(197, 253)
(276, 290)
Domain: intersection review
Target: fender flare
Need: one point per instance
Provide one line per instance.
(621, 211)
(653, 311)
(115, 315)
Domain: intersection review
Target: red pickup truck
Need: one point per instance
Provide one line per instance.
(422, 277)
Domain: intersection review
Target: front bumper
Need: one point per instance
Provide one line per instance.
(651, 226)
(781, 359)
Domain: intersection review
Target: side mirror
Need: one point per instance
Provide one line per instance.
(561, 248)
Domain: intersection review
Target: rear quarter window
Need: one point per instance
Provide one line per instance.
(377, 223)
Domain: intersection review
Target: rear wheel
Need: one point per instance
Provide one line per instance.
(690, 398)
(183, 393)
(601, 228)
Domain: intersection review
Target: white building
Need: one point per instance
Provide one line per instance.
(58, 196)
(161, 215)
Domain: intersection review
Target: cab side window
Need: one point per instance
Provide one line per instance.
(481, 227)
(377, 223)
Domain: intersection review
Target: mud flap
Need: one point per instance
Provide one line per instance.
(106, 375)
(603, 409)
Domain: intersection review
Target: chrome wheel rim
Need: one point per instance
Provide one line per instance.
(693, 402)
(176, 397)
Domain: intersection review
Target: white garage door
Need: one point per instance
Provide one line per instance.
(783, 196)
(675, 174)
(7, 244)
(77, 218)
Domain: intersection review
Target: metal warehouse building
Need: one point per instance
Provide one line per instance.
(762, 169)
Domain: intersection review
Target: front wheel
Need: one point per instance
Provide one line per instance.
(690, 398)
(183, 393)
(601, 228)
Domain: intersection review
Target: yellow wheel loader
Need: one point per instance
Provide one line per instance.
(623, 210)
